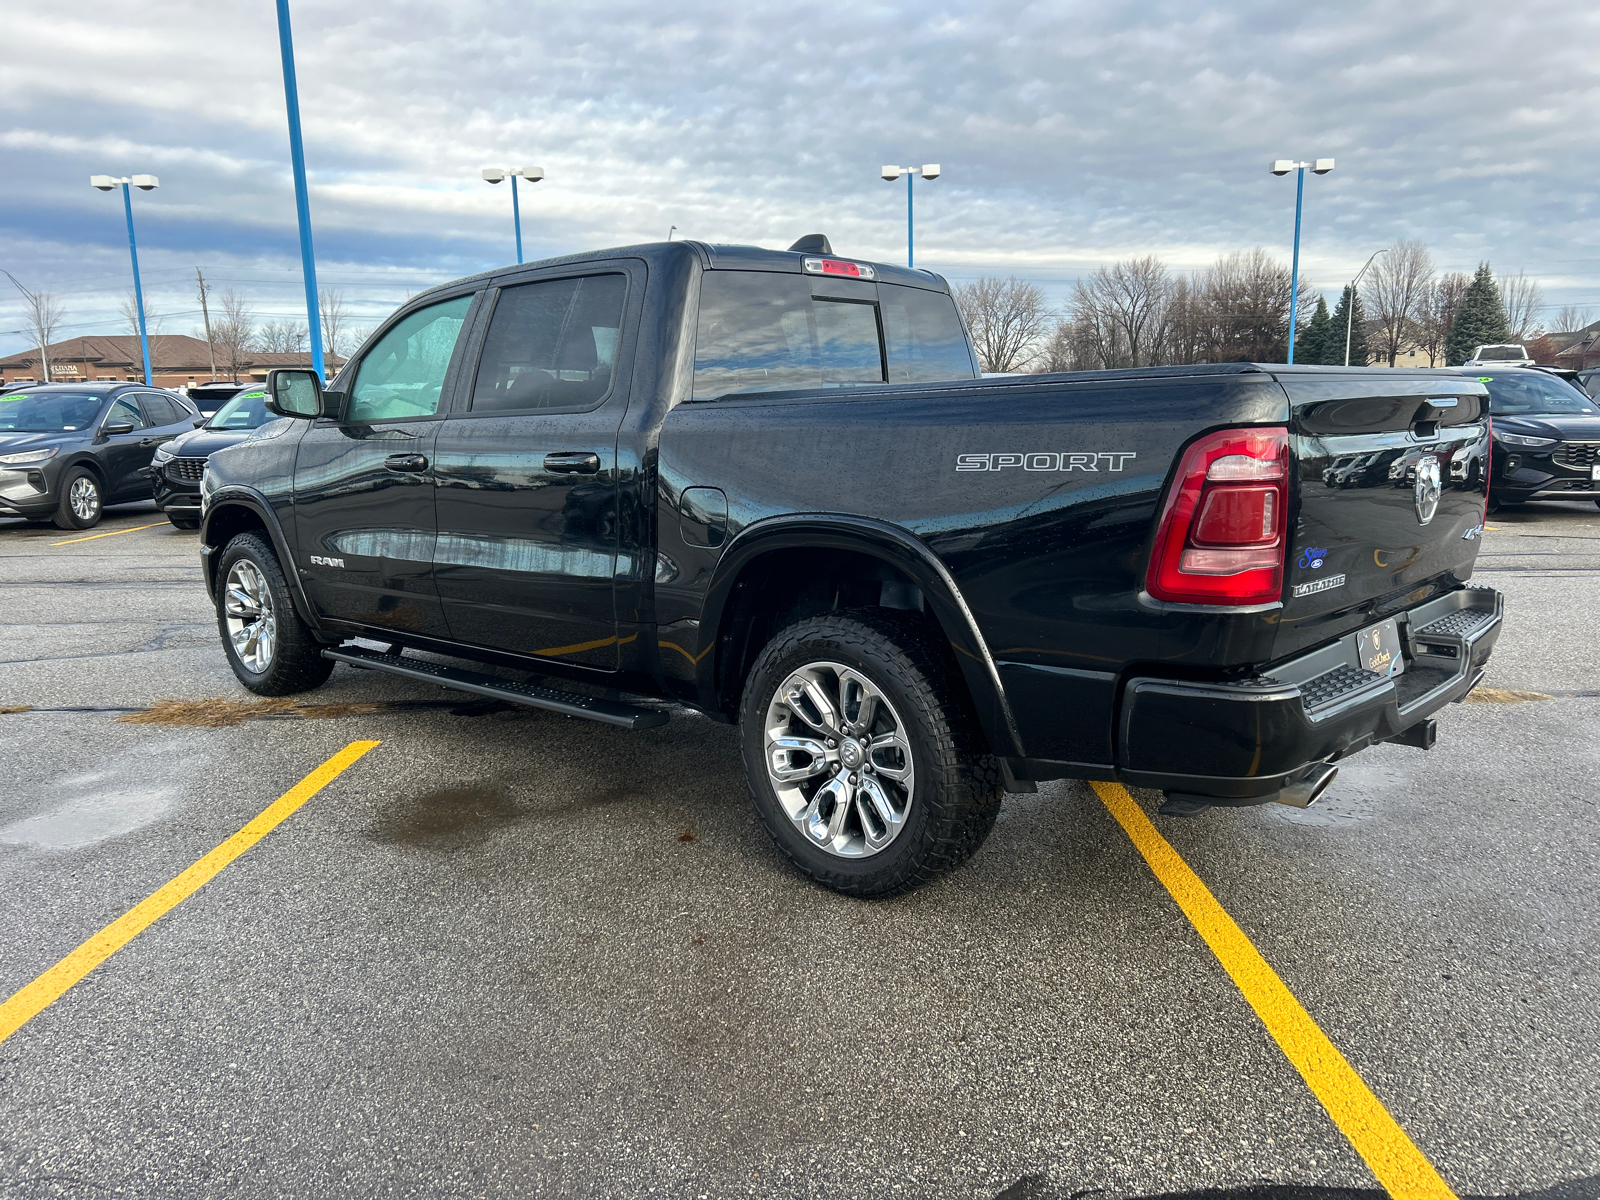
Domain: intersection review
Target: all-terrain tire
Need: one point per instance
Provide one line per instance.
(957, 783)
(82, 500)
(295, 662)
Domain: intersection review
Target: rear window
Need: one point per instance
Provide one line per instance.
(764, 331)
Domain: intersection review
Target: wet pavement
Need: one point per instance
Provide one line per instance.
(509, 954)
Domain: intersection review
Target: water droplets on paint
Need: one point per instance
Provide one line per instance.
(124, 792)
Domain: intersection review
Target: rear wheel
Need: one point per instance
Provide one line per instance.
(862, 758)
(270, 649)
(82, 500)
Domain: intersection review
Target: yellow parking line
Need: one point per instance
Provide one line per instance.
(1360, 1115)
(33, 998)
(113, 533)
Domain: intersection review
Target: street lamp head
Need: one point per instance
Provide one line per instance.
(531, 174)
(493, 175)
(1282, 166)
(931, 171)
(145, 183)
(890, 173)
(1322, 166)
(104, 182)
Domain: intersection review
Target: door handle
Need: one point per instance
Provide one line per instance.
(406, 462)
(572, 462)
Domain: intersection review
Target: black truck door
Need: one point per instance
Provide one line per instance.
(526, 472)
(363, 485)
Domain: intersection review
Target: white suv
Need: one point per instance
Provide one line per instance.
(1499, 356)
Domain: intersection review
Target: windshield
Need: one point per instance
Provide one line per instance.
(1533, 393)
(247, 410)
(47, 412)
(1501, 354)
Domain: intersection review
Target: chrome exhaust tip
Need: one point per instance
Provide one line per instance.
(1309, 790)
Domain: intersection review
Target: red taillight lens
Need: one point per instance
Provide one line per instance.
(1221, 537)
(832, 266)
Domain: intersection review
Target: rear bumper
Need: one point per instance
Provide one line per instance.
(1246, 741)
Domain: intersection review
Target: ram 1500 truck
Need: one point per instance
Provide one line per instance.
(773, 487)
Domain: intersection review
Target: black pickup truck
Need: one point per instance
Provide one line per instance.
(771, 486)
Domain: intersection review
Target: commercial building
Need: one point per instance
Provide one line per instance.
(176, 361)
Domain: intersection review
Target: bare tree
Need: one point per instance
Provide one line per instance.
(130, 314)
(281, 337)
(1239, 308)
(1570, 318)
(1057, 351)
(1396, 297)
(1522, 298)
(1122, 310)
(1007, 318)
(331, 307)
(43, 315)
(234, 331)
(1438, 311)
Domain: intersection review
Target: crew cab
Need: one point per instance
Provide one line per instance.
(773, 487)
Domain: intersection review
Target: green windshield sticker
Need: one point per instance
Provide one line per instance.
(1485, 378)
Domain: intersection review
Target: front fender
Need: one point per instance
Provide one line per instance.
(217, 528)
(900, 549)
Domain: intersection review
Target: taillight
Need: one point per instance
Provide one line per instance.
(1221, 537)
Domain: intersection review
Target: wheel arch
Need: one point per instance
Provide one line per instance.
(791, 556)
(241, 511)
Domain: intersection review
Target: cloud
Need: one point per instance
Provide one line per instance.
(1069, 134)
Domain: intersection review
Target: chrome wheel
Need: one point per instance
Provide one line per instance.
(247, 607)
(839, 760)
(83, 497)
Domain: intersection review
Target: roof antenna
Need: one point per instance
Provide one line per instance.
(671, 231)
(812, 243)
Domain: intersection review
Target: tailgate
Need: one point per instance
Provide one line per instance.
(1391, 476)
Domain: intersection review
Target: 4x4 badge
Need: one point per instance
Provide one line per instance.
(1426, 494)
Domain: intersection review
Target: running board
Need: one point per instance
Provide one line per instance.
(591, 708)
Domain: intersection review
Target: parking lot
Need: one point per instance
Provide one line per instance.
(504, 953)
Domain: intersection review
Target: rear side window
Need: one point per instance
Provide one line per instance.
(923, 334)
(161, 411)
(763, 332)
(551, 346)
(403, 374)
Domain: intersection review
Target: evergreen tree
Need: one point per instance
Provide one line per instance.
(1356, 323)
(1311, 343)
(1480, 321)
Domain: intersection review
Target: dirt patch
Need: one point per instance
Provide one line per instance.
(218, 713)
(1485, 695)
(16, 708)
(450, 815)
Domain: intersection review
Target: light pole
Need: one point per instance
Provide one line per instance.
(144, 183)
(1350, 308)
(1283, 166)
(531, 174)
(890, 174)
(302, 201)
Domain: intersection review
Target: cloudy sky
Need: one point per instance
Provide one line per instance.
(1070, 134)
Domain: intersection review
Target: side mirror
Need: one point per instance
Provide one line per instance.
(294, 393)
(113, 428)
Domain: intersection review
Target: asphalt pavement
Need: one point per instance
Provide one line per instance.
(510, 954)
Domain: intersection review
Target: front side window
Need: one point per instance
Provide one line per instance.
(125, 409)
(1531, 393)
(551, 345)
(763, 331)
(403, 375)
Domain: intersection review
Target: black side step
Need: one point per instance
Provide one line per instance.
(591, 708)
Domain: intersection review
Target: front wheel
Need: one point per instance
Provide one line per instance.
(862, 756)
(82, 500)
(270, 649)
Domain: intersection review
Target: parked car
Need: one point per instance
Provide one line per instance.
(177, 468)
(1500, 356)
(208, 397)
(771, 486)
(1546, 438)
(69, 449)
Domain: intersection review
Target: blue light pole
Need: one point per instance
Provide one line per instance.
(1283, 166)
(890, 174)
(302, 202)
(144, 183)
(531, 174)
